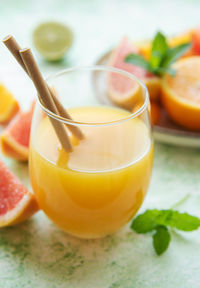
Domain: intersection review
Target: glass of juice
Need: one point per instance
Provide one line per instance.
(98, 187)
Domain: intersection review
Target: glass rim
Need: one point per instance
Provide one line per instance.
(97, 68)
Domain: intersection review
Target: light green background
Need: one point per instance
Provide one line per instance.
(36, 253)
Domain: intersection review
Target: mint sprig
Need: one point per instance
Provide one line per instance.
(158, 221)
(161, 239)
(162, 56)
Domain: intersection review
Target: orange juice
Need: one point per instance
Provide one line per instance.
(97, 188)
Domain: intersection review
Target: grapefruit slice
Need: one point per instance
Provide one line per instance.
(16, 203)
(181, 93)
(122, 90)
(14, 140)
(8, 105)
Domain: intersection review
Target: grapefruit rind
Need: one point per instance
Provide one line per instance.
(17, 203)
(25, 208)
(128, 100)
(11, 148)
(14, 140)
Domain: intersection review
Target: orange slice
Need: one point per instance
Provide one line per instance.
(122, 90)
(8, 105)
(14, 140)
(181, 93)
(16, 203)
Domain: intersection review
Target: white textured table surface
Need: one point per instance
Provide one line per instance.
(36, 253)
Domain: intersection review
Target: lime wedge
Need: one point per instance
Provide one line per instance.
(52, 40)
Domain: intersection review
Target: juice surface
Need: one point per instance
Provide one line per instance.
(97, 188)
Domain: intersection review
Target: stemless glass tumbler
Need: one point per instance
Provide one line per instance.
(99, 186)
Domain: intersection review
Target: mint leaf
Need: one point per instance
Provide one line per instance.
(174, 53)
(149, 220)
(138, 60)
(158, 50)
(180, 221)
(145, 222)
(161, 56)
(159, 221)
(159, 71)
(161, 239)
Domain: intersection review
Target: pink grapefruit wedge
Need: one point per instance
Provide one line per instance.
(122, 90)
(15, 138)
(17, 204)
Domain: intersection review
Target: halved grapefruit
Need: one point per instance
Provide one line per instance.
(8, 105)
(16, 203)
(14, 140)
(181, 93)
(122, 90)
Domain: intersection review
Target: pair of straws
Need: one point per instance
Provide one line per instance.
(26, 60)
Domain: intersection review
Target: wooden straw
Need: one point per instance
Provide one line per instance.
(14, 48)
(63, 112)
(43, 91)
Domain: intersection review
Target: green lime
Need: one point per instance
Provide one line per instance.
(52, 40)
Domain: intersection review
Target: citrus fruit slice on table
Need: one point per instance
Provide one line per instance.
(52, 40)
(14, 140)
(8, 105)
(181, 93)
(16, 203)
(122, 90)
